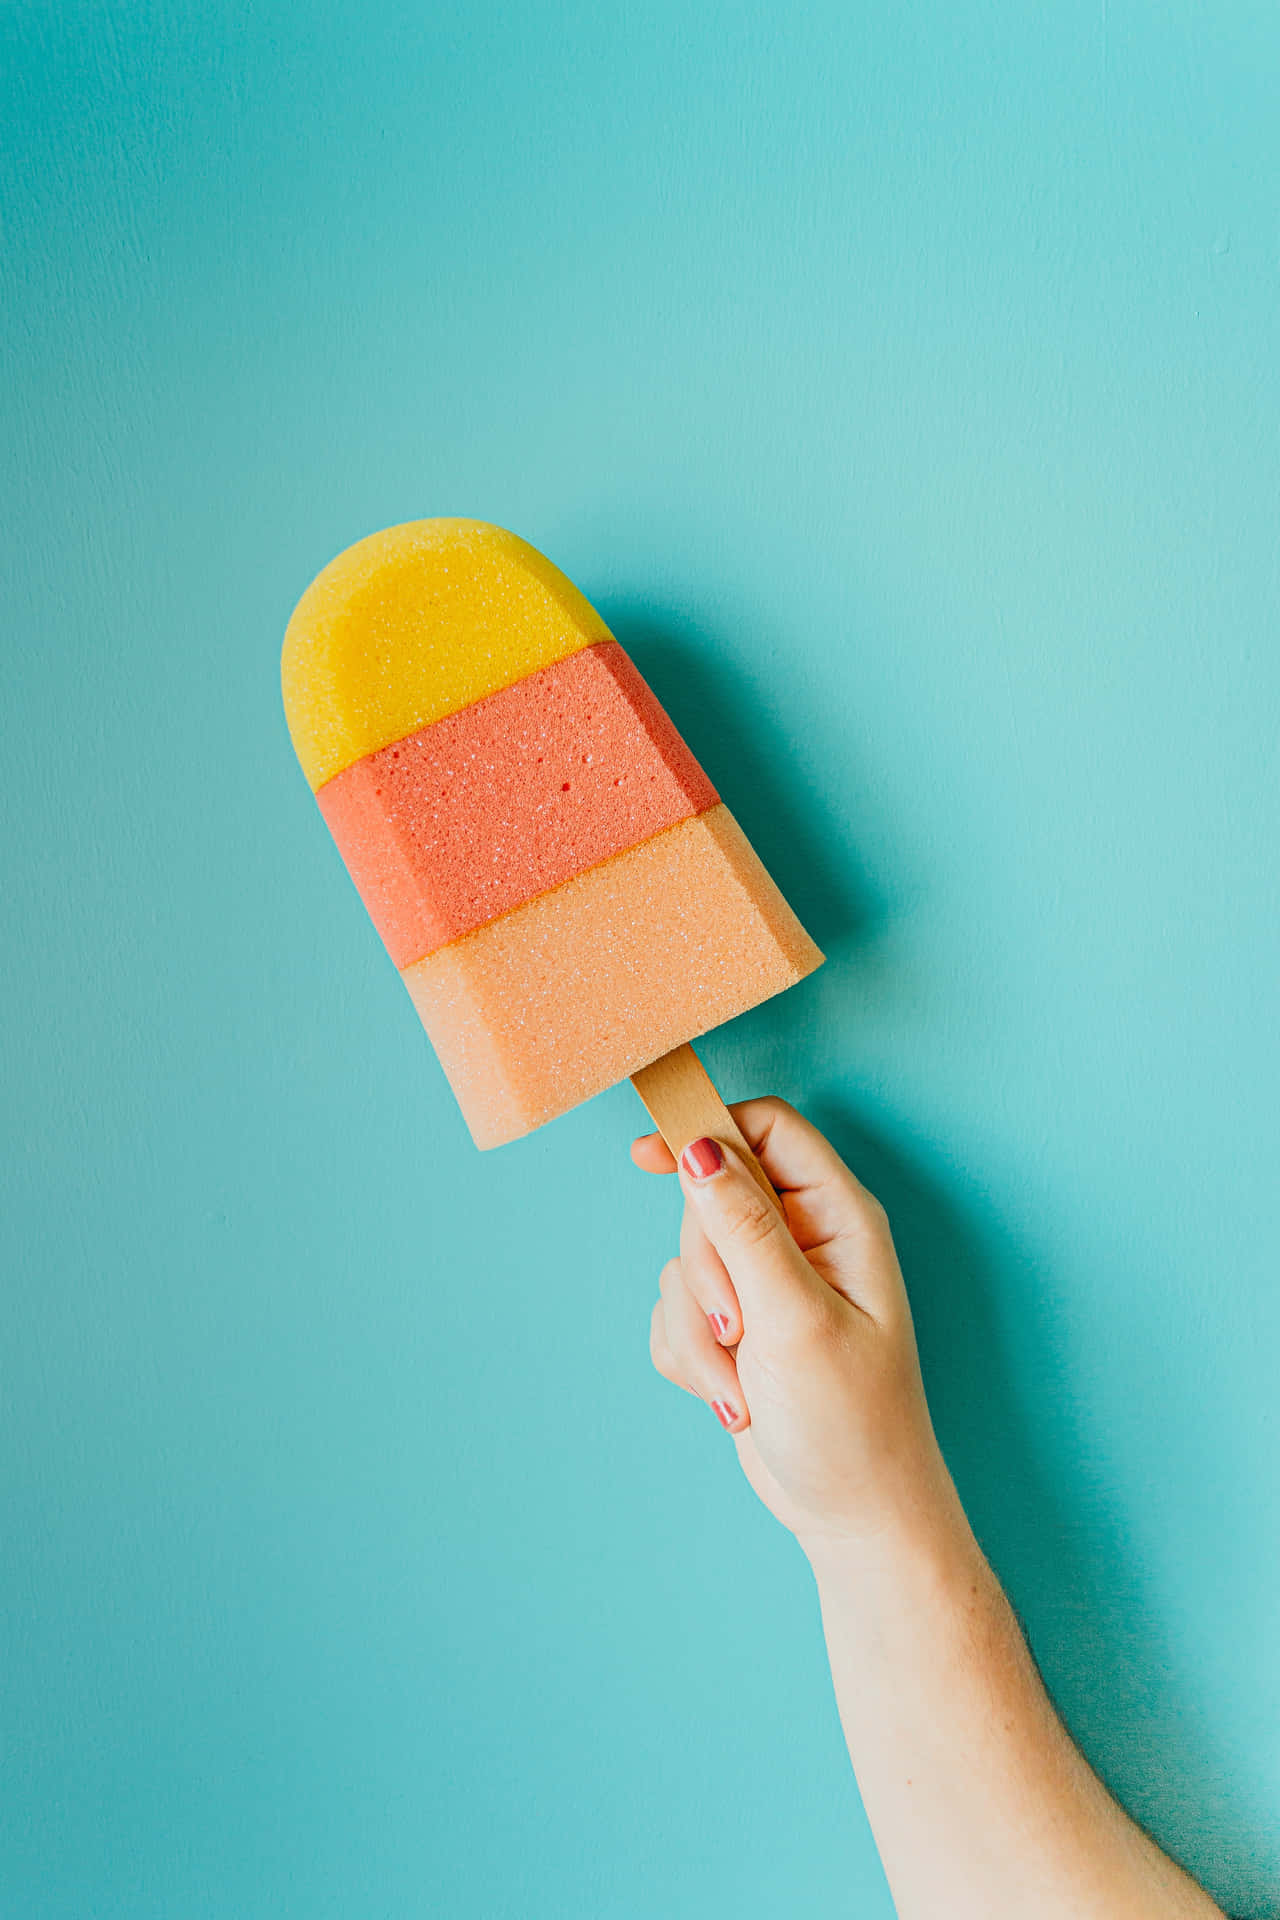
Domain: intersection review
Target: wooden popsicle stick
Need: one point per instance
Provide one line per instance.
(684, 1105)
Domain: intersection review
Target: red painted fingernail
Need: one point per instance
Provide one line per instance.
(723, 1412)
(702, 1158)
(719, 1324)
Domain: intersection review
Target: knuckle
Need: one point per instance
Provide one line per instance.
(874, 1209)
(865, 1206)
(750, 1220)
(761, 1115)
(865, 1225)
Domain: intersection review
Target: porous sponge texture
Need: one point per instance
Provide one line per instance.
(575, 990)
(479, 812)
(417, 622)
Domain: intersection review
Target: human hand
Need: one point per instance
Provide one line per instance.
(798, 1333)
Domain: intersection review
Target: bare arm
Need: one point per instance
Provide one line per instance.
(800, 1337)
(980, 1802)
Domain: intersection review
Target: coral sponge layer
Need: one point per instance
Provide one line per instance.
(476, 814)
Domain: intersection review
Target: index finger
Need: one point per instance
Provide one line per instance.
(796, 1157)
(825, 1203)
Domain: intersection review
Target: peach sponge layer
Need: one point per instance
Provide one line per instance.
(572, 992)
(477, 813)
(417, 622)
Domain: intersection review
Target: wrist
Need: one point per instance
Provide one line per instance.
(921, 1540)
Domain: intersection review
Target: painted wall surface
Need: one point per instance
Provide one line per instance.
(902, 382)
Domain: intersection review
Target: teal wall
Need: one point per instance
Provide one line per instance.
(902, 382)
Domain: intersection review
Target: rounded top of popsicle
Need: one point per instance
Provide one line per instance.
(417, 622)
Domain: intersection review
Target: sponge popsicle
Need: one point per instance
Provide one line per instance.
(567, 899)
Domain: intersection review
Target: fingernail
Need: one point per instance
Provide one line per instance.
(702, 1158)
(719, 1324)
(724, 1413)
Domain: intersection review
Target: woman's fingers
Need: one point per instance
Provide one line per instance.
(836, 1222)
(781, 1295)
(652, 1153)
(831, 1215)
(659, 1349)
(832, 1218)
(792, 1152)
(685, 1349)
(796, 1157)
(705, 1277)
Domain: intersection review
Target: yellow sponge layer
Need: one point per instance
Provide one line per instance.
(573, 991)
(415, 623)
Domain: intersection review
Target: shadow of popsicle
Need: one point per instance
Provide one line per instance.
(1093, 1627)
(1095, 1630)
(719, 714)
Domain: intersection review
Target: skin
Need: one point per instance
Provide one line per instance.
(798, 1333)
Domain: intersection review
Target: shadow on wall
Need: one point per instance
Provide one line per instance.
(1094, 1630)
(720, 716)
(1095, 1634)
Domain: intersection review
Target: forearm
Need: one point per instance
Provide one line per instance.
(980, 1802)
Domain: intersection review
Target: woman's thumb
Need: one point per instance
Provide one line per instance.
(774, 1282)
